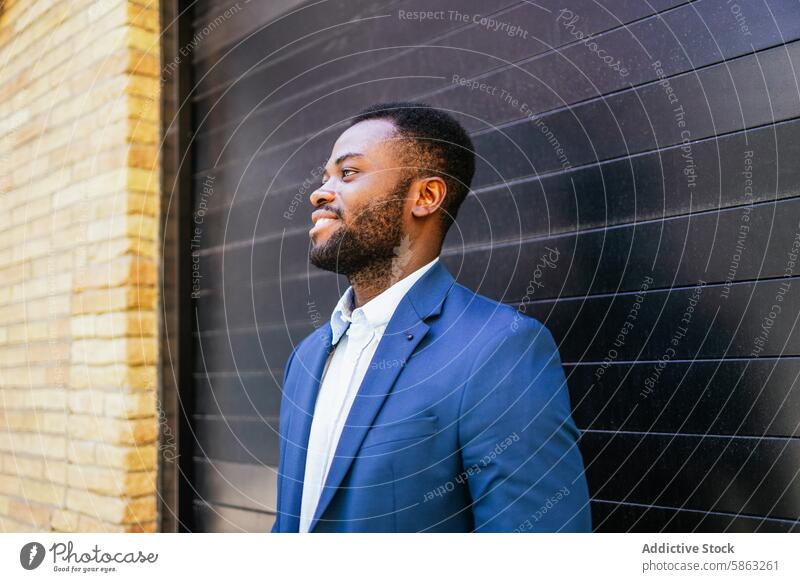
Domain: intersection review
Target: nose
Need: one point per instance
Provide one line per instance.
(321, 196)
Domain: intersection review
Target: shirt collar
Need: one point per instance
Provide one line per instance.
(377, 311)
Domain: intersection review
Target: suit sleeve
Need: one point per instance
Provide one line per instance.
(281, 428)
(517, 437)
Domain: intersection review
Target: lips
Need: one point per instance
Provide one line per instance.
(321, 223)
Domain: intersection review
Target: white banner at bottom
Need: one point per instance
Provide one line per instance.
(390, 557)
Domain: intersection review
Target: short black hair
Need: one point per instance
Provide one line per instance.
(440, 146)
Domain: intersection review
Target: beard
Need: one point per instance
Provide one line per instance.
(370, 243)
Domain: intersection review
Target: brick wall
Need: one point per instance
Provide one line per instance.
(79, 96)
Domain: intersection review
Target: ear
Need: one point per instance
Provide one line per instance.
(428, 196)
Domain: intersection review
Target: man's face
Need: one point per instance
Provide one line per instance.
(360, 208)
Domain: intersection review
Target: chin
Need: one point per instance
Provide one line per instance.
(321, 256)
(325, 263)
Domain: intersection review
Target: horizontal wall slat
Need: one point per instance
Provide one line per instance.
(237, 441)
(246, 486)
(587, 329)
(732, 475)
(722, 397)
(623, 518)
(223, 519)
(239, 393)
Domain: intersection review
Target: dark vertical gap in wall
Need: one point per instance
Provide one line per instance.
(175, 354)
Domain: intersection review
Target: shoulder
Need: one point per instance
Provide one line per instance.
(492, 320)
(497, 333)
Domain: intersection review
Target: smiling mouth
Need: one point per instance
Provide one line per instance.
(320, 224)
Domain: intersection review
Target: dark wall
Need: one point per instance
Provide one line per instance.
(661, 184)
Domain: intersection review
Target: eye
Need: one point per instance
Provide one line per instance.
(346, 172)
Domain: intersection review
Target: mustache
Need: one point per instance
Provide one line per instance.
(330, 209)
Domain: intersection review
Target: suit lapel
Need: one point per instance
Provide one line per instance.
(404, 332)
(309, 365)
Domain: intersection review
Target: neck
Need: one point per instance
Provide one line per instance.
(379, 276)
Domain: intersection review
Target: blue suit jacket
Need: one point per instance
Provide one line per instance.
(462, 423)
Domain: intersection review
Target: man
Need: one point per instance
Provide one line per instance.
(421, 406)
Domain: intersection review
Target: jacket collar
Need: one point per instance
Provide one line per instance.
(377, 311)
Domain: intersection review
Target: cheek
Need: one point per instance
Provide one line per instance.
(357, 199)
(371, 198)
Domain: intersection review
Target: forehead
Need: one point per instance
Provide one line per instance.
(372, 138)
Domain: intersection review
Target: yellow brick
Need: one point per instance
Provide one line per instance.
(15, 274)
(145, 41)
(50, 399)
(28, 332)
(55, 471)
(144, 181)
(43, 492)
(112, 510)
(120, 324)
(111, 482)
(100, 507)
(32, 421)
(86, 402)
(142, 63)
(133, 351)
(48, 446)
(42, 287)
(112, 430)
(134, 203)
(95, 525)
(28, 397)
(82, 452)
(142, 527)
(136, 458)
(127, 270)
(65, 520)
(144, 87)
(141, 509)
(142, 17)
(142, 132)
(29, 512)
(23, 466)
(117, 299)
(8, 525)
(130, 405)
(107, 183)
(57, 351)
(115, 376)
(9, 485)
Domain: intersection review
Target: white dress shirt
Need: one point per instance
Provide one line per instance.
(356, 334)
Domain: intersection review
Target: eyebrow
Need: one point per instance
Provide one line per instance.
(343, 157)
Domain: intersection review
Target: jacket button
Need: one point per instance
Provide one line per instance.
(409, 337)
